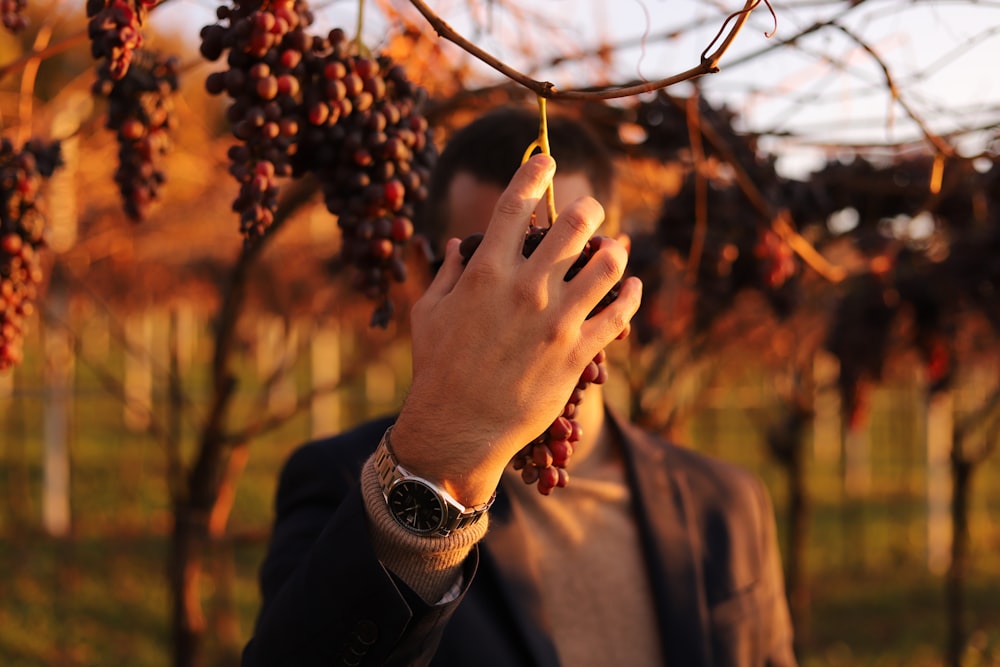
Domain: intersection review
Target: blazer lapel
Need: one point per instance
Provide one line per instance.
(671, 545)
(506, 553)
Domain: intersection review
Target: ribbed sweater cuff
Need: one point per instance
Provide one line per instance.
(429, 565)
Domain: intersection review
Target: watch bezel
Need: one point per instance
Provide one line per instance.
(429, 494)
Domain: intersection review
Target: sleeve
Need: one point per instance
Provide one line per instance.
(430, 566)
(327, 599)
(777, 628)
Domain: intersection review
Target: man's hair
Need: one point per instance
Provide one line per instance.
(491, 148)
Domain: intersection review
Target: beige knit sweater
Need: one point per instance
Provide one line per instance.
(585, 547)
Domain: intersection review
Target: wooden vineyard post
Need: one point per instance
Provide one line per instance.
(939, 433)
(57, 410)
(325, 408)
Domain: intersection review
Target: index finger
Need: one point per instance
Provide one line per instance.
(505, 234)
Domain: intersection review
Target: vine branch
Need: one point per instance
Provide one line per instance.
(64, 44)
(700, 185)
(28, 77)
(939, 144)
(709, 63)
(780, 221)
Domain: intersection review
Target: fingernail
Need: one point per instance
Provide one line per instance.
(544, 160)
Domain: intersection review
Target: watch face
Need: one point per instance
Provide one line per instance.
(416, 506)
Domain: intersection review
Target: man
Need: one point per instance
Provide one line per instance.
(652, 555)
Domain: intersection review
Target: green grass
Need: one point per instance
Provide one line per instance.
(102, 601)
(897, 618)
(83, 602)
(99, 598)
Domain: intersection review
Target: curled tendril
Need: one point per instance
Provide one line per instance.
(731, 17)
(774, 16)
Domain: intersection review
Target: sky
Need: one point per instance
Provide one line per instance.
(824, 93)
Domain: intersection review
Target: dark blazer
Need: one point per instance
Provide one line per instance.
(707, 531)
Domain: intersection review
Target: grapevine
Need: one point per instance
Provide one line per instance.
(21, 236)
(314, 105)
(141, 114)
(543, 460)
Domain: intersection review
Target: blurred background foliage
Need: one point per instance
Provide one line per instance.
(833, 330)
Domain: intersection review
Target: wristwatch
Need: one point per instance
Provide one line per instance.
(418, 505)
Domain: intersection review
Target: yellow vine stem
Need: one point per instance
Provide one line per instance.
(543, 142)
(782, 226)
(937, 174)
(358, 44)
(529, 151)
(700, 184)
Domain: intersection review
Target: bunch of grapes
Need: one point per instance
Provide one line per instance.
(379, 168)
(739, 251)
(859, 336)
(268, 51)
(777, 276)
(305, 104)
(21, 235)
(543, 460)
(115, 30)
(141, 113)
(12, 14)
(776, 260)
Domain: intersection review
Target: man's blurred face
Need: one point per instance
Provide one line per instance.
(471, 202)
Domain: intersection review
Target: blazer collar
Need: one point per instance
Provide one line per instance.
(670, 542)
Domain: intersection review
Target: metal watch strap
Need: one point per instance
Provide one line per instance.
(390, 472)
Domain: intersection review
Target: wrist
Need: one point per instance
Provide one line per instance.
(455, 459)
(418, 504)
